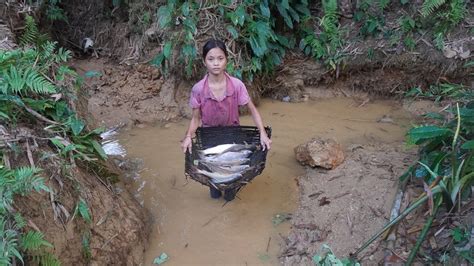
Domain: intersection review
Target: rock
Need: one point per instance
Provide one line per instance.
(326, 153)
(448, 52)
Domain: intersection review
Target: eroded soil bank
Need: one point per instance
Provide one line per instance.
(195, 229)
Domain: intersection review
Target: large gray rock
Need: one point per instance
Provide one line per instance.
(325, 153)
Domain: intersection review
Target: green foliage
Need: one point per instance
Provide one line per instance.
(53, 11)
(33, 241)
(18, 182)
(443, 15)
(429, 6)
(446, 162)
(83, 210)
(459, 234)
(28, 77)
(86, 247)
(251, 24)
(326, 44)
(442, 91)
(327, 258)
(370, 14)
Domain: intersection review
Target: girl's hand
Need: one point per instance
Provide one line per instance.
(186, 144)
(265, 141)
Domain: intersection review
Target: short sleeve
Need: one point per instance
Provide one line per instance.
(195, 100)
(244, 97)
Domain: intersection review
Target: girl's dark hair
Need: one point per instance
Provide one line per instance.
(213, 43)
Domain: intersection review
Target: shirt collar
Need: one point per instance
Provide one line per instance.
(229, 91)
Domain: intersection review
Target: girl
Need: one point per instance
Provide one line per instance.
(216, 98)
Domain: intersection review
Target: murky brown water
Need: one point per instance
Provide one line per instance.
(194, 229)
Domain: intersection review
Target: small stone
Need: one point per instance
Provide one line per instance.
(286, 99)
(449, 53)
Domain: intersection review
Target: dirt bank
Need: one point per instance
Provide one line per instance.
(344, 207)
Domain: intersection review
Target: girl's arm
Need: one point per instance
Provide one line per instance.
(186, 143)
(264, 140)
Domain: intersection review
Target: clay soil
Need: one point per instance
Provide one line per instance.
(344, 207)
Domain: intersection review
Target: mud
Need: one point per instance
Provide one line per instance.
(117, 233)
(345, 206)
(194, 229)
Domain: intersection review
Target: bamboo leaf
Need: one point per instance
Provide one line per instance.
(468, 145)
(76, 125)
(98, 148)
(167, 50)
(426, 132)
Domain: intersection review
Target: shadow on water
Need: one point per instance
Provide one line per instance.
(194, 229)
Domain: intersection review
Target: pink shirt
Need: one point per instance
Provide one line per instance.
(219, 112)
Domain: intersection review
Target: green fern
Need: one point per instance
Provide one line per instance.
(383, 4)
(48, 259)
(26, 180)
(31, 33)
(429, 6)
(8, 244)
(33, 241)
(24, 81)
(19, 220)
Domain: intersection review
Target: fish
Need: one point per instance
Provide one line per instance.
(223, 148)
(219, 177)
(217, 149)
(232, 155)
(231, 169)
(214, 160)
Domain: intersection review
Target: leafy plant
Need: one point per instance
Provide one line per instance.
(54, 11)
(443, 15)
(326, 44)
(446, 164)
(83, 210)
(327, 258)
(15, 242)
(251, 24)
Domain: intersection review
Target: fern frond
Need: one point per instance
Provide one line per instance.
(19, 221)
(31, 33)
(383, 4)
(38, 83)
(26, 180)
(25, 81)
(8, 244)
(429, 6)
(34, 240)
(48, 259)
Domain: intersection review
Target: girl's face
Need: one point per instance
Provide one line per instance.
(215, 61)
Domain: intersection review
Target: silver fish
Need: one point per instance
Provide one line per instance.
(219, 149)
(226, 163)
(230, 156)
(231, 169)
(219, 177)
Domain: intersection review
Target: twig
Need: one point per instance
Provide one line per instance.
(6, 160)
(268, 243)
(40, 117)
(341, 195)
(29, 154)
(334, 177)
(349, 223)
(108, 241)
(210, 220)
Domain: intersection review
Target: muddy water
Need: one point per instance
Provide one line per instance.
(194, 229)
